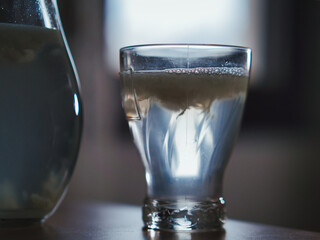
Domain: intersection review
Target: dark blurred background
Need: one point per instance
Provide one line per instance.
(273, 175)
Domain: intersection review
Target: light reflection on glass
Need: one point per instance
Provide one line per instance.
(165, 235)
(45, 14)
(76, 104)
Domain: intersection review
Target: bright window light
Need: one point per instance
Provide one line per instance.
(231, 22)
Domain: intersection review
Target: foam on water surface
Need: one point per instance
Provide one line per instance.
(178, 89)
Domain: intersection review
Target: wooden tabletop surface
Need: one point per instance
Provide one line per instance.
(100, 221)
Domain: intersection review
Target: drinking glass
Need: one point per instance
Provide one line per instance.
(40, 108)
(184, 105)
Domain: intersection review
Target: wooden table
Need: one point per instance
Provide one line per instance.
(101, 221)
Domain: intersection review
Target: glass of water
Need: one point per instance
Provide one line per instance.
(184, 105)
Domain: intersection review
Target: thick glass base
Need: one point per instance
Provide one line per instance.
(23, 217)
(184, 214)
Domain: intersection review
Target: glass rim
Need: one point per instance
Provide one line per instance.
(164, 45)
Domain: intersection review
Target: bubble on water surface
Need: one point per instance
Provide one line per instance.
(236, 71)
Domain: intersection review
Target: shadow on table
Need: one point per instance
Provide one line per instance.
(164, 235)
(36, 232)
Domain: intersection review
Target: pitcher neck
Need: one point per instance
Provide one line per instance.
(43, 13)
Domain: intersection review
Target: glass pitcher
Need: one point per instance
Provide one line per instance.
(40, 109)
